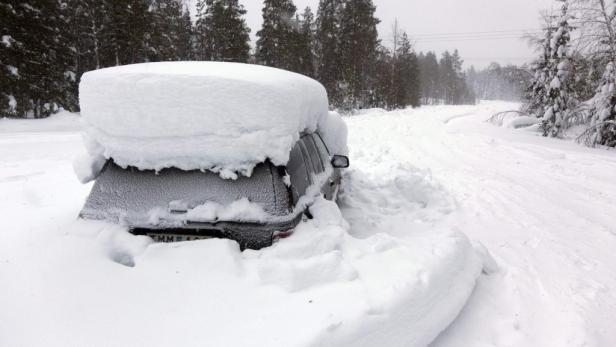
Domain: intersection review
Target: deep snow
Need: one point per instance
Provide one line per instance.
(224, 117)
(394, 269)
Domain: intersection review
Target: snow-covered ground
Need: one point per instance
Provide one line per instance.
(394, 269)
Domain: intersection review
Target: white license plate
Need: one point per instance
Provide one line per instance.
(176, 238)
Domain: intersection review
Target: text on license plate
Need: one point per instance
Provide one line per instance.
(176, 238)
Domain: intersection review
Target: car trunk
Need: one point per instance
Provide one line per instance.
(132, 197)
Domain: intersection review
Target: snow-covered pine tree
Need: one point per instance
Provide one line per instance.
(199, 41)
(603, 120)
(223, 32)
(327, 46)
(560, 96)
(10, 53)
(537, 92)
(275, 43)
(359, 44)
(34, 57)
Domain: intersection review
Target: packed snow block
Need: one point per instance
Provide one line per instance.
(223, 117)
(334, 131)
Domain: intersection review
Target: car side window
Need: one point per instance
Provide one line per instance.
(323, 151)
(297, 169)
(313, 154)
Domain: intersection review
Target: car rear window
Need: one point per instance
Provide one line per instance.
(129, 195)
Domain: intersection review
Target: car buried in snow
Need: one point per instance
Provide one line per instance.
(193, 150)
(162, 204)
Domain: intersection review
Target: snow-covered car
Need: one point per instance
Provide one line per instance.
(199, 150)
(254, 211)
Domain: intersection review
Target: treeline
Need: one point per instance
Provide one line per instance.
(574, 76)
(442, 81)
(46, 46)
(498, 82)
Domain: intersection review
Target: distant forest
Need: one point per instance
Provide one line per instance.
(46, 46)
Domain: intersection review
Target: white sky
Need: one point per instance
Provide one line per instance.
(428, 17)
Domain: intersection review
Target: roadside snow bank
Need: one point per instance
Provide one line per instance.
(198, 115)
(62, 121)
(320, 287)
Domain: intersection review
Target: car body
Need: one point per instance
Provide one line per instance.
(157, 203)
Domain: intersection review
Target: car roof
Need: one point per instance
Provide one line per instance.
(128, 196)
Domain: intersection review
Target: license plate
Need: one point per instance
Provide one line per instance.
(167, 238)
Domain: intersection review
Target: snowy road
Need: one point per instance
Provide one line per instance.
(544, 208)
(421, 179)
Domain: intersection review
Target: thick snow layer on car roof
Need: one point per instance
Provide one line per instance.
(198, 115)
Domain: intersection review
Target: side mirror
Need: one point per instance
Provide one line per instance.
(340, 162)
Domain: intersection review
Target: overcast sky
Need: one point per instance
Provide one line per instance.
(502, 21)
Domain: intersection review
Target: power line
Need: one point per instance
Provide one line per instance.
(470, 38)
(475, 33)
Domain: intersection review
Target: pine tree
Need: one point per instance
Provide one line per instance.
(406, 75)
(185, 37)
(11, 52)
(166, 28)
(34, 58)
(223, 32)
(498, 82)
(327, 46)
(86, 26)
(382, 91)
(453, 89)
(358, 51)
(127, 35)
(275, 44)
(199, 30)
(559, 92)
(603, 119)
(602, 123)
(447, 77)
(304, 51)
(429, 77)
(537, 94)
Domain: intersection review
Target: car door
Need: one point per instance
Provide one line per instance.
(320, 158)
(298, 171)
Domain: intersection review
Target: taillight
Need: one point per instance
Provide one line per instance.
(281, 235)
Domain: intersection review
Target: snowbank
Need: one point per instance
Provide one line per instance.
(222, 117)
(62, 121)
(520, 122)
(320, 287)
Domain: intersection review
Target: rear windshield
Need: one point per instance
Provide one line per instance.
(129, 195)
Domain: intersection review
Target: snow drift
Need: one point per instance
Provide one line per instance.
(223, 117)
